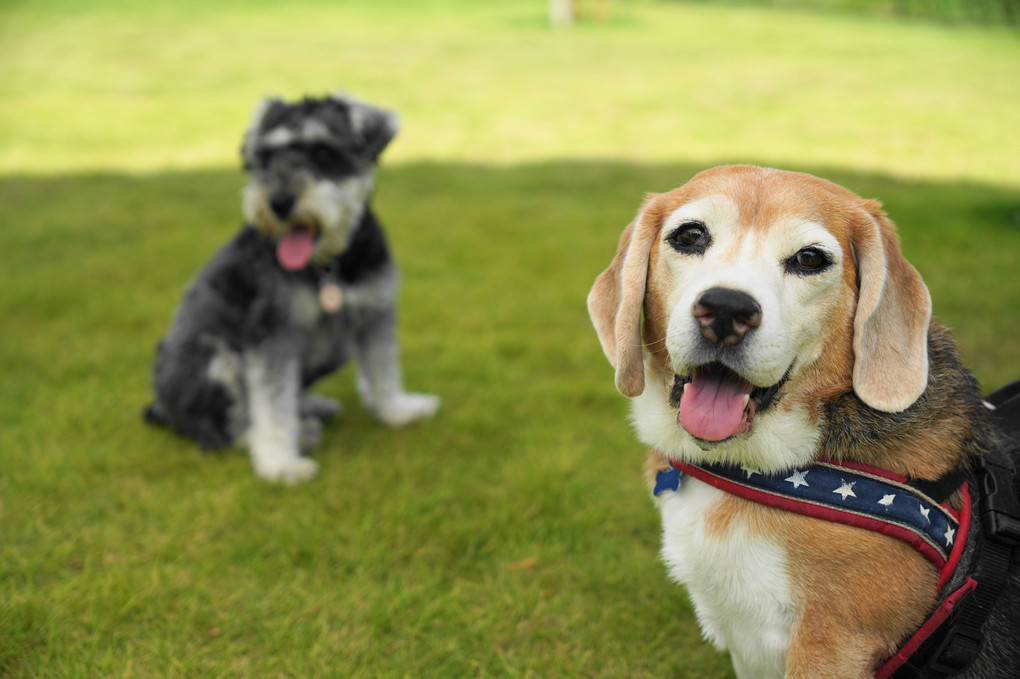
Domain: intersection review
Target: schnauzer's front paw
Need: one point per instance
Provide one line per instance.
(288, 471)
(404, 409)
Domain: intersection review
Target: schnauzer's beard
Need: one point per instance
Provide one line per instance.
(331, 210)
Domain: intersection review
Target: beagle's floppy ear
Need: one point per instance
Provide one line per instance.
(892, 318)
(616, 299)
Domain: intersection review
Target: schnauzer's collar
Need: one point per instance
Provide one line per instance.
(327, 277)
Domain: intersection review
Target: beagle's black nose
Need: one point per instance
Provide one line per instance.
(726, 315)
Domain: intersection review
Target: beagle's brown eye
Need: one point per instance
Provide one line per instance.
(808, 261)
(690, 238)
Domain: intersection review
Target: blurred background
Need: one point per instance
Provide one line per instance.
(907, 87)
(513, 535)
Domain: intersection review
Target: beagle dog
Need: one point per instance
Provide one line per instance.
(767, 320)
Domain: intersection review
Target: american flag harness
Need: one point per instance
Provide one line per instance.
(918, 513)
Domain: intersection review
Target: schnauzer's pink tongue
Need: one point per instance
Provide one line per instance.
(712, 408)
(295, 249)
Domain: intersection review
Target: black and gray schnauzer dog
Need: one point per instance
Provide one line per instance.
(308, 280)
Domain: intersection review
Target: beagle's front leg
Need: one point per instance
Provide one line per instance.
(272, 376)
(819, 651)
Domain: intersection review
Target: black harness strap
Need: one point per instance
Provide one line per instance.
(941, 489)
(1000, 487)
(998, 504)
(962, 642)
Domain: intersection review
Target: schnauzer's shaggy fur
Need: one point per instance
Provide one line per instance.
(251, 334)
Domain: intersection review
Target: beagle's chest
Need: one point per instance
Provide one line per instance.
(736, 578)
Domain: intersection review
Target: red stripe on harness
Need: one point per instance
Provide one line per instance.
(945, 567)
(961, 538)
(868, 469)
(817, 511)
(936, 620)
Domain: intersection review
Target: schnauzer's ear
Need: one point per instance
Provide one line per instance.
(263, 109)
(376, 126)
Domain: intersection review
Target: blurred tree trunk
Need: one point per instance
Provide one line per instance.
(566, 12)
(561, 12)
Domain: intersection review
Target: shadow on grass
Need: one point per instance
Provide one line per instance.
(83, 252)
(461, 547)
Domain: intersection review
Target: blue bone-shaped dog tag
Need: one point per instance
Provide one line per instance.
(667, 479)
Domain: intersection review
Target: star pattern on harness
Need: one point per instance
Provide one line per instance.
(750, 471)
(863, 499)
(798, 479)
(846, 490)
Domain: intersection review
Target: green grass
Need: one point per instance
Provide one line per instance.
(147, 86)
(512, 536)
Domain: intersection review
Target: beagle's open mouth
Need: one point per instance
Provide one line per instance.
(717, 404)
(294, 249)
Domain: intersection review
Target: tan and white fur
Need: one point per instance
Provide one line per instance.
(842, 326)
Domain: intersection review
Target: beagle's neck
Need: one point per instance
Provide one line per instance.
(931, 438)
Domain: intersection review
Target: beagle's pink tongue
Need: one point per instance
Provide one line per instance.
(712, 408)
(295, 249)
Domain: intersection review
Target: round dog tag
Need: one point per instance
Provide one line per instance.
(331, 298)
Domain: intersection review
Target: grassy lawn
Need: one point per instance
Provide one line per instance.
(512, 536)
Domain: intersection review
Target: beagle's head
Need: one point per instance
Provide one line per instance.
(737, 300)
